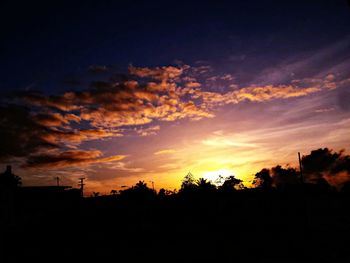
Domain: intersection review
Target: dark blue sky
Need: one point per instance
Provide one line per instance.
(45, 43)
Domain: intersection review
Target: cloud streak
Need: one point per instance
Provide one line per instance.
(69, 158)
(165, 151)
(254, 93)
(148, 131)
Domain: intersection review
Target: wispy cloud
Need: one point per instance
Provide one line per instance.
(316, 63)
(69, 158)
(122, 166)
(159, 73)
(148, 131)
(165, 151)
(226, 142)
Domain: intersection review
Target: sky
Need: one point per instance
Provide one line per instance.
(151, 90)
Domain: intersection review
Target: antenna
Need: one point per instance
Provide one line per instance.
(301, 169)
(81, 184)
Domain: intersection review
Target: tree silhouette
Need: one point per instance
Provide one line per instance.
(219, 180)
(282, 177)
(188, 180)
(141, 185)
(263, 179)
(320, 160)
(188, 184)
(95, 194)
(205, 186)
(139, 190)
(8, 179)
(165, 192)
(114, 192)
(231, 183)
(324, 161)
(346, 187)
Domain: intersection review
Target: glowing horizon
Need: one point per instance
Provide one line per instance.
(176, 126)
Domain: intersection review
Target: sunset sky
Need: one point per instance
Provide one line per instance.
(150, 90)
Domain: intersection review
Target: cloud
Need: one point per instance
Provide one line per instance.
(225, 77)
(159, 73)
(126, 103)
(68, 158)
(32, 121)
(319, 62)
(165, 151)
(344, 98)
(36, 98)
(23, 133)
(148, 131)
(54, 119)
(123, 167)
(254, 93)
(323, 110)
(199, 70)
(20, 133)
(226, 142)
(269, 92)
(193, 84)
(138, 102)
(72, 118)
(76, 136)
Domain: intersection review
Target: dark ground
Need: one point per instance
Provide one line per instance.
(243, 226)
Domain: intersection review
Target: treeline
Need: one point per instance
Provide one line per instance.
(279, 219)
(322, 169)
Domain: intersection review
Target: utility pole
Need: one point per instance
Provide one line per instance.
(81, 184)
(58, 181)
(301, 169)
(152, 185)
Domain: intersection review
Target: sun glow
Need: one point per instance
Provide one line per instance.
(214, 175)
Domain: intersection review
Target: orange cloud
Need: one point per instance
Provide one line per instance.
(144, 96)
(63, 103)
(133, 103)
(159, 73)
(257, 94)
(269, 92)
(77, 136)
(69, 158)
(193, 84)
(148, 131)
(52, 119)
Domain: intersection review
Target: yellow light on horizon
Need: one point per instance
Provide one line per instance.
(214, 175)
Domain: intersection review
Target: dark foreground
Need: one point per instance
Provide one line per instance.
(243, 226)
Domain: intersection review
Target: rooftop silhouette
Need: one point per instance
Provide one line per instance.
(278, 215)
